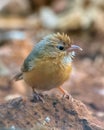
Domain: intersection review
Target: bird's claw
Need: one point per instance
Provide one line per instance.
(68, 96)
(37, 97)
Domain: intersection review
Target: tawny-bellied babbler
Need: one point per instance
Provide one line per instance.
(49, 63)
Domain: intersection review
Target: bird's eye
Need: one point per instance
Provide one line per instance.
(60, 47)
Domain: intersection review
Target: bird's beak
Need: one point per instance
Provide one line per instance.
(74, 48)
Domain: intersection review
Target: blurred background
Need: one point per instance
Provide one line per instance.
(24, 22)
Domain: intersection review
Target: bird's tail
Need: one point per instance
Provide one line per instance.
(18, 76)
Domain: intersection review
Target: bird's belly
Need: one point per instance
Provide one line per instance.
(47, 77)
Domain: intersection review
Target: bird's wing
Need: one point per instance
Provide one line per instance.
(35, 56)
(31, 61)
(28, 64)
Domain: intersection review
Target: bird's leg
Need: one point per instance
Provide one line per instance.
(36, 96)
(66, 94)
(33, 89)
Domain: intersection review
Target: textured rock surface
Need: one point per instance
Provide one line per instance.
(54, 113)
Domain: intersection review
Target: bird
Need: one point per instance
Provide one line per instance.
(49, 64)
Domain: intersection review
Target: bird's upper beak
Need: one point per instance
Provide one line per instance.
(74, 48)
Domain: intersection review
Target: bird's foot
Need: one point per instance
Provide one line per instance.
(66, 94)
(37, 97)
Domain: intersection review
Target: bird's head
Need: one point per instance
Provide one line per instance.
(59, 45)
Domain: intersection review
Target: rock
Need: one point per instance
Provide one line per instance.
(16, 7)
(48, 13)
(55, 112)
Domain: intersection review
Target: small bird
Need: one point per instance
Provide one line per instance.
(49, 63)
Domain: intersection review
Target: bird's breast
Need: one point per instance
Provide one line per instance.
(48, 74)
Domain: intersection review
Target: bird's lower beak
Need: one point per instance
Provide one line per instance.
(74, 48)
